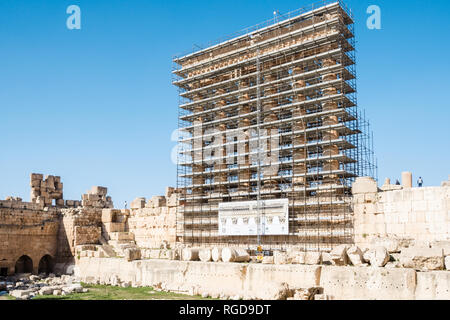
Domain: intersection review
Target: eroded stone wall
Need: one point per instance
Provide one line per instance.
(154, 222)
(420, 214)
(250, 281)
(26, 229)
(48, 225)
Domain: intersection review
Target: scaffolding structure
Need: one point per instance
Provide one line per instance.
(271, 113)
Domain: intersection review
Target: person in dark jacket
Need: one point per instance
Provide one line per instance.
(420, 182)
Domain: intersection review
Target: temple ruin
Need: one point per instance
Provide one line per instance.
(287, 88)
(277, 194)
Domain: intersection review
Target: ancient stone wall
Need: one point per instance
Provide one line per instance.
(262, 281)
(46, 190)
(48, 225)
(26, 229)
(81, 226)
(154, 222)
(421, 214)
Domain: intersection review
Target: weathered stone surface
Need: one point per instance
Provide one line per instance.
(447, 262)
(235, 255)
(392, 245)
(190, 254)
(443, 245)
(268, 260)
(138, 203)
(377, 256)
(216, 254)
(422, 258)
(339, 256)
(205, 255)
(214, 278)
(132, 254)
(313, 257)
(280, 257)
(46, 291)
(433, 285)
(305, 294)
(364, 185)
(349, 283)
(278, 292)
(21, 293)
(355, 255)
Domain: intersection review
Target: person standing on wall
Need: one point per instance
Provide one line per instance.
(420, 182)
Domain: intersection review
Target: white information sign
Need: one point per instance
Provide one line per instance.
(242, 218)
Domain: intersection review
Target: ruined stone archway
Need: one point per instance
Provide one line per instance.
(46, 264)
(24, 265)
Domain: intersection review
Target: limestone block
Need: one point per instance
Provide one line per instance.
(102, 191)
(377, 256)
(36, 176)
(46, 291)
(108, 215)
(339, 256)
(433, 285)
(169, 192)
(190, 254)
(364, 185)
(268, 260)
(362, 283)
(422, 258)
(326, 258)
(132, 254)
(235, 255)
(355, 255)
(153, 253)
(205, 255)
(172, 200)
(277, 292)
(216, 254)
(442, 244)
(370, 198)
(114, 226)
(20, 294)
(70, 203)
(391, 244)
(138, 203)
(279, 257)
(158, 201)
(313, 257)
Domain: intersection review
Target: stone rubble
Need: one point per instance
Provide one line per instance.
(422, 258)
(26, 286)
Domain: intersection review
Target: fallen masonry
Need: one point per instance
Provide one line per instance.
(26, 286)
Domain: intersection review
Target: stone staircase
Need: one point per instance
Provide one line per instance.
(116, 238)
(120, 241)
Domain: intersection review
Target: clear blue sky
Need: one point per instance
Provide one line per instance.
(96, 105)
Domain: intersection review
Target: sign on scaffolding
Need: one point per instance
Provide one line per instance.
(242, 218)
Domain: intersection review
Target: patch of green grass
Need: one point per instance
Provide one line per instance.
(105, 292)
